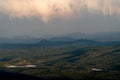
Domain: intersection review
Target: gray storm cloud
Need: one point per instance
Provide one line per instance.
(47, 9)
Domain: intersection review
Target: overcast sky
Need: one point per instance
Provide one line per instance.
(43, 17)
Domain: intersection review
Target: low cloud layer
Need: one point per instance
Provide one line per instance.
(47, 9)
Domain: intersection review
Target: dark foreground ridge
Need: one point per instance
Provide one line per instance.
(16, 76)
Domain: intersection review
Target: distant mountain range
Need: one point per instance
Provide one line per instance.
(58, 43)
(104, 36)
(71, 37)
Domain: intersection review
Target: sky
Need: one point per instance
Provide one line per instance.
(37, 18)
